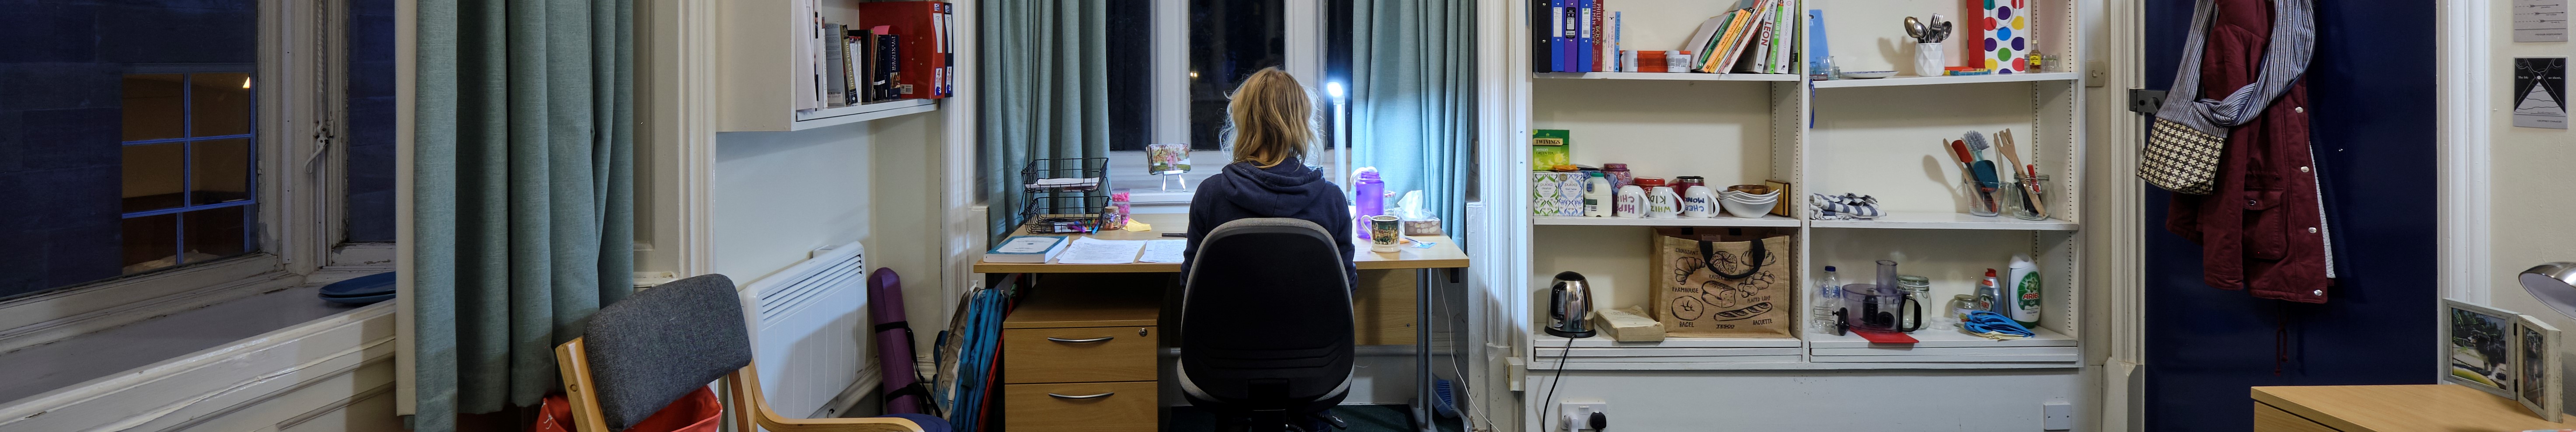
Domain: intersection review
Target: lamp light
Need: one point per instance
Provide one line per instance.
(1334, 89)
(2554, 284)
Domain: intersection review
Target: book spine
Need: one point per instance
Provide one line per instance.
(1564, 45)
(1540, 40)
(1618, 50)
(1582, 60)
(1596, 52)
(1783, 37)
(850, 69)
(948, 49)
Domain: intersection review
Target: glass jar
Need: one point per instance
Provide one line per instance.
(1619, 175)
(1919, 288)
(1960, 306)
(1684, 183)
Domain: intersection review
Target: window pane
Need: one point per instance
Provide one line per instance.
(152, 104)
(220, 102)
(222, 170)
(152, 176)
(1229, 40)
(1130, 48)
(151, 242)
(216, 233)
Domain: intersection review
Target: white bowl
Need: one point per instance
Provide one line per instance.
(1869, 74)
(1751, 199)
(1734, 195)
(1746, 210)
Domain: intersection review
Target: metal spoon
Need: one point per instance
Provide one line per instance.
(1941, 32)
(1914, 28)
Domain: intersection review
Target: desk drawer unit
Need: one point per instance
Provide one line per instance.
(1080, 407)
(1078, 354)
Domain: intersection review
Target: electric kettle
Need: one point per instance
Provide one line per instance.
(1569, 302)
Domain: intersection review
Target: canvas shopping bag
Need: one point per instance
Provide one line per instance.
(1716, 282)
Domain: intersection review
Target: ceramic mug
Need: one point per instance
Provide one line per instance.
(1699, 203)
(1384, 232)
(1661, 203)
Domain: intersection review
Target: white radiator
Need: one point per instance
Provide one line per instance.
(809, 330)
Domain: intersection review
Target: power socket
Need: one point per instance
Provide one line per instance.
(1576, 415)
(2056, 415)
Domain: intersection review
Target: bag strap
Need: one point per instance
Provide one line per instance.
(1708, 258)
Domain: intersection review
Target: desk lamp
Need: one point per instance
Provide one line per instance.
(2554, 284)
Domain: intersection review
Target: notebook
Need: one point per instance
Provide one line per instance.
(1026, 250)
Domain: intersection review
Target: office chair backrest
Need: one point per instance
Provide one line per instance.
(1266, 314)
(662, 343)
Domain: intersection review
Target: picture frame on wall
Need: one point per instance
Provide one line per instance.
(2478, 347)
(2536, 366)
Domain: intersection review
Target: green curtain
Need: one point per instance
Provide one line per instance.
(1045, 93)
(523, 196)
(1413, 98)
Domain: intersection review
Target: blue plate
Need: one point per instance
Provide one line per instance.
(360, 290)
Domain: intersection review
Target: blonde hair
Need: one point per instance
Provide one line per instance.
(1271, 118)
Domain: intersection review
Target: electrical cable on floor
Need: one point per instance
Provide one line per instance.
(1467, 413)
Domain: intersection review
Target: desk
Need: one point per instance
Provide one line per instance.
(2390, 408)
(1443, 254)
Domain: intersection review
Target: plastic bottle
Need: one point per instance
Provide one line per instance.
(1598, 197)
(1368, 195)
(1989, 296)
(1829, 295)
(2024, 293)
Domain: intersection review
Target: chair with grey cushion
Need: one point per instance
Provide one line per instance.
(642, 353)
(1266, 324)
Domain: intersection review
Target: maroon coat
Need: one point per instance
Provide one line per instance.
(2264, 227)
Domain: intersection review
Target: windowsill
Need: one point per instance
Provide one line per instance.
(1127, 170)
(61, 339)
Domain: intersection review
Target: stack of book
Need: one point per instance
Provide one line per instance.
(1580, 36)
(898, 50)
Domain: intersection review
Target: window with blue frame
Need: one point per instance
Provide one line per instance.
(190, 190)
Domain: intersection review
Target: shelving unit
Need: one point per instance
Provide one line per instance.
(1872, 137)
(758, 65)
(1908, 80)
(1670, 76)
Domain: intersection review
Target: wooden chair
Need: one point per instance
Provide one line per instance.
(683, 312)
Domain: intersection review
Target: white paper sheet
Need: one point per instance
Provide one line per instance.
(1088, 250)
(1164, 251)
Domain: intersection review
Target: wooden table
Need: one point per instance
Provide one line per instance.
(2390, 408)
(1442, 254)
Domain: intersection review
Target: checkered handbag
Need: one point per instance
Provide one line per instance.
(2180, 159)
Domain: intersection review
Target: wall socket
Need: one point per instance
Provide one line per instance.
(2056, 415)
(1576, 415)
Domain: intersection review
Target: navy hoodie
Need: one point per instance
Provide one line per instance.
(1290, 190)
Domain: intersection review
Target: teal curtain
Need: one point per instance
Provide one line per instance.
(1413, 98)
(1045, 93)
(523, 196)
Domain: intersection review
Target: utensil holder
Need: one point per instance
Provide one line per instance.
(1928, 60)
(2027, 191)
(1981, 200)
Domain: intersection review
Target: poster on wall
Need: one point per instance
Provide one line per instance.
(2540, 92)
(2539, 20)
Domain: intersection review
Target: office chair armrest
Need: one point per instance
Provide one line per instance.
(744, 384)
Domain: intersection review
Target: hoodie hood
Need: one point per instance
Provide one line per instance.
(1281, 190)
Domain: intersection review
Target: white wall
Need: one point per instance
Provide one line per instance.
(2527, 171)
(780, 195)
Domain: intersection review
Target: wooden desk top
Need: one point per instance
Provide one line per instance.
(1443, 253)
(2404, 408)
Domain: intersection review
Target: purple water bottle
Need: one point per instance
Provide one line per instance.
(1368, 195)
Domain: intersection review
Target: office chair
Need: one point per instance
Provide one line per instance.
(1266, 324)
(662, 343)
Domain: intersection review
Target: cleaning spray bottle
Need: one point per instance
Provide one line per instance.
(2023, 292)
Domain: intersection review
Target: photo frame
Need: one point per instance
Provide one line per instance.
(2476, 347)
(2536, 365)
(1167, 159)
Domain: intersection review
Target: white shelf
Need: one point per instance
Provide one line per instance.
(1720, 221)
(862, 112)
(1552, 342)
(1669, 76)
(1939, 80)
(1941, 338)
(1950, 221)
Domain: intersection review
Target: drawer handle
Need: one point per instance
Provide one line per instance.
(1097, 396)
(1091, 340)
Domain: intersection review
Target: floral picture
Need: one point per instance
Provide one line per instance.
(1167, 159)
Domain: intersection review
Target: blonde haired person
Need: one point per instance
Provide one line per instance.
(1271, 120)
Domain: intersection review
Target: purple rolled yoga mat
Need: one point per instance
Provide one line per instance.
(894, 343)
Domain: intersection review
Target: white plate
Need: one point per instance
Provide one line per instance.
(1869, 74)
